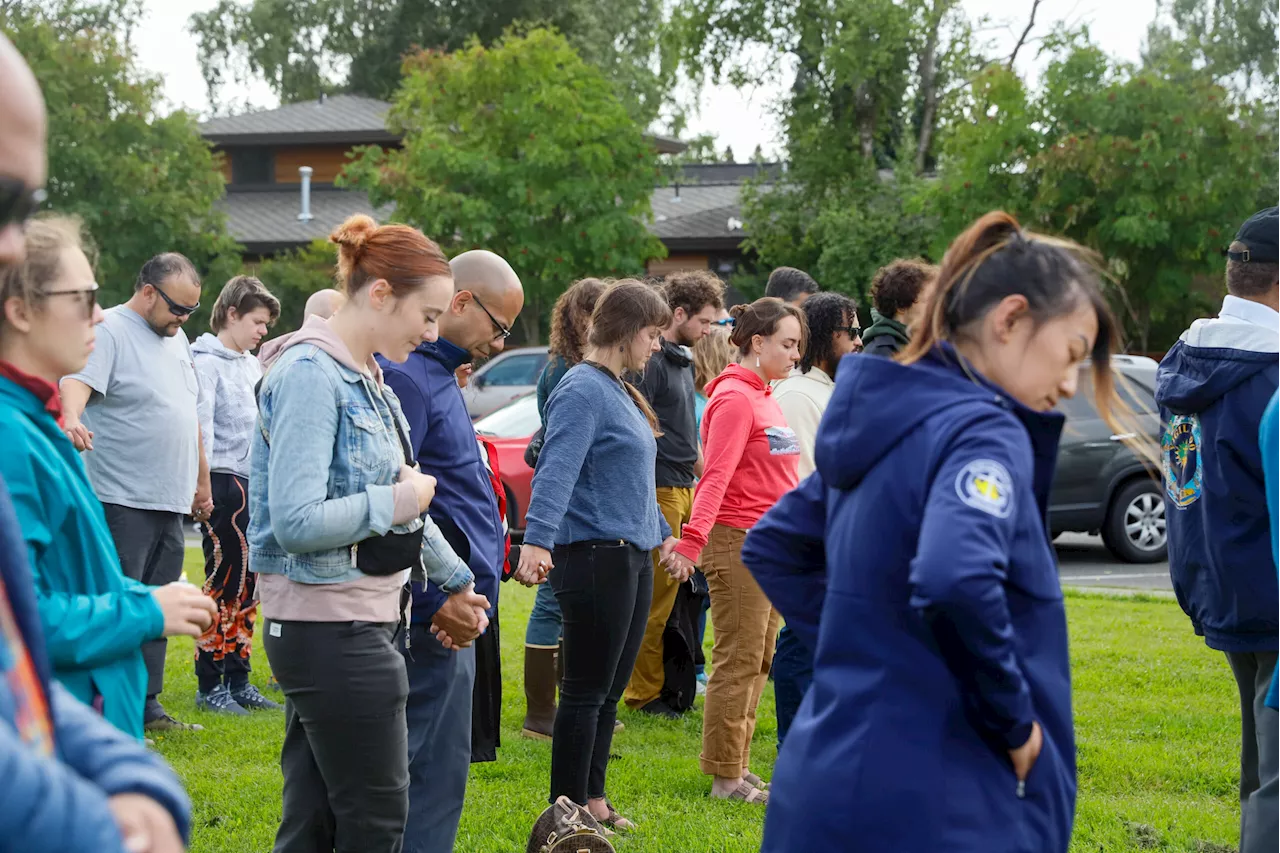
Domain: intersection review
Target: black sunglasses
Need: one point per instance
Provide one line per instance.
(503, 331)
(854, 331)
(87, 298)
(18, 202)
(176, 309)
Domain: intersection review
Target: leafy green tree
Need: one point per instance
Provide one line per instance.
(1234, 41)
(523, 149)
(142, 181)
(293, 276)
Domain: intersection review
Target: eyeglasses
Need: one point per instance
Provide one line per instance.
(854, 332)
(503, 331)
(88, 298)
(176, 309)
(727, 322)
(18, 202)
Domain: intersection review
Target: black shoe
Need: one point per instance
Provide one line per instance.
(220, 701)
(165, 723)
(247, 696)
(658, 708)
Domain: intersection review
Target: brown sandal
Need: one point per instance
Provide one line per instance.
(747, 793)
(756, 782)
(616, 821)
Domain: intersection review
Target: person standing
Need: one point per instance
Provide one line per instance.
(899, 292)
(439, 650)
(803, 397)
(228, 410)
(591, 523)
(695, 298)
(791, 285)
(323, 304)
(1212, 388)
(133, 409)
(751, 460)
(570, 317)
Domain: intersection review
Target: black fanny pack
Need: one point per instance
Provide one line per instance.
(391, 552)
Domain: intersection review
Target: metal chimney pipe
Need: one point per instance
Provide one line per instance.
(305, 215)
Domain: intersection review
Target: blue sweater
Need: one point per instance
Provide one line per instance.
(58, 804)
(595, 476)
(1212, 388)
(918, 566)
(444, 442)
(1269, 441)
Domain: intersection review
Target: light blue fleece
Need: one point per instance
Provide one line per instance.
(595, 476)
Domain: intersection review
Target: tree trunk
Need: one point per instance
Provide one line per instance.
(865, 106)
(530, 332)
(929, 85)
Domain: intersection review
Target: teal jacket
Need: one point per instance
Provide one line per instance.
(95, 620)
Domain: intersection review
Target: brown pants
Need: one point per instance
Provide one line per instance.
(746, 626)
(648, 676)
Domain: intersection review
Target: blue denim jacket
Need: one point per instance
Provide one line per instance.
(324, 460)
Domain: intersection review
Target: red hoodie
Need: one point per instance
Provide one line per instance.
(751, 457)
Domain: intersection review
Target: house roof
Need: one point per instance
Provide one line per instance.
(698, 216)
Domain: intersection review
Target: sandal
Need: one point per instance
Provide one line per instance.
(747, 793)
(756, 782)
(616, 821)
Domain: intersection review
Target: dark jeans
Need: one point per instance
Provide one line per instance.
(345, 753)
(1259, 751)
(792, 674)
(604, 594)
(439, 716)
(150, 545)
(223, 651)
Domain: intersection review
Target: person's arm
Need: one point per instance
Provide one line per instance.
(569, 432)
(206, 403)
(803, 416)
(957, 577)
(729, 418)
(77, 389)
(786, 554)
(304, 419)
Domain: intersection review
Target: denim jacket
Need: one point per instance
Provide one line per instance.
(324, 460)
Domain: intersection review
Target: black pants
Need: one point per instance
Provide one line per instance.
(223, 651)
(486, 697)
(150, 545)
(345, 757)
(604, 594)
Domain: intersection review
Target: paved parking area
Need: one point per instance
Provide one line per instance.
(1085, 561)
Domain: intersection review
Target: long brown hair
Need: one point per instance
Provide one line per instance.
(570, 316)
(622, 312)
(711, 355)
(995, 258)
(402, 256)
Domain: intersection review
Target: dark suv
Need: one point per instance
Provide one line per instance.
(1101, 486)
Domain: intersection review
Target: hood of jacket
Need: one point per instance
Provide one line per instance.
(1211, 358)
(739, 376)
(319, 333)
(891, 400)
(882, 326)
(676, 354)
(211, 344)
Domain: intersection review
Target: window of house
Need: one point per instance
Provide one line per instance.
(252, 165)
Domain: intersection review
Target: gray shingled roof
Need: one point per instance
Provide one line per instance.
(334, 117)
(697, 212)
(270, 219)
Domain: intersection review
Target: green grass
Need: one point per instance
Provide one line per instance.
(1156, 720)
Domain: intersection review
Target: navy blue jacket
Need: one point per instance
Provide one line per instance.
(444, 442)
(58, 804)
(917, 563)
(1212, 389)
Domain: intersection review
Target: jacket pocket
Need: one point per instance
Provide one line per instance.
(366, 441)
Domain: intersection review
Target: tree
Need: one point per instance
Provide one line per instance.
(1153, 167)
(143, 182)
(302, 48)
(293, 276)
(523, 149)
(1234, 41)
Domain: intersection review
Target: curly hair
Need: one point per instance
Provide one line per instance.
(570, 317)
(693, 290)
(896, 286)
(711, 355)
(827, 314)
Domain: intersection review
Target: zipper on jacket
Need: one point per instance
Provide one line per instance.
(1022, 789)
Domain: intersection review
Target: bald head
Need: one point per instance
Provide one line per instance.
(22, 139)
(482, 282)
(323, 304)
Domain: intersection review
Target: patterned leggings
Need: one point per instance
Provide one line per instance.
(222, 652)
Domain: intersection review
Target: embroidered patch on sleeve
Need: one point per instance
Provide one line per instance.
(985, 484)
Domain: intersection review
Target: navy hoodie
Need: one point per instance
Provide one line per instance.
(917, 563)
(465, 507)
(1212, 389)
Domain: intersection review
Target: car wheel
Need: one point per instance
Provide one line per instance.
(1135, 528)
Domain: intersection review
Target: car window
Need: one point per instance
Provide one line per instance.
(516, 370)
(1133, 393)
(517, 420)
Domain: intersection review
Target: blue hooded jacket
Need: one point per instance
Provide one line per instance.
(444, 442)
(1212, 388)
(58, 804)
(917, 564)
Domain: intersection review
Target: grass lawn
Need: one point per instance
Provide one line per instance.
(1156, 720)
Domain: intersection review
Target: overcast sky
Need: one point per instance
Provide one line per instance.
(741, 119)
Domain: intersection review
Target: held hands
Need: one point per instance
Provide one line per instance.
(424, 486)
(187, 610)
(678, 566)
(1024, 757)
(535, 563)
(81, 436)
(461, 619)
(144, 825)
(202, 504)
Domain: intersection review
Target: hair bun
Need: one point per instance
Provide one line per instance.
(738, 310)
(353, 236)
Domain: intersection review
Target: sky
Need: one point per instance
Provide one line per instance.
(741, 119)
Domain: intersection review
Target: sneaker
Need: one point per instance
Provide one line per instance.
(618, 726)
(658, 708)
(248, 696)
(220, 701)
(165, 723)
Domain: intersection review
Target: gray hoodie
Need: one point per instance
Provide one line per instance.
(226, 407)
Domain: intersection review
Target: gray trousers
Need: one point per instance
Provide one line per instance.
(151, 548)
(439, 717)
(1259, 752)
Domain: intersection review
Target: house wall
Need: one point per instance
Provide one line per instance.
(327, 161)
(676, 263)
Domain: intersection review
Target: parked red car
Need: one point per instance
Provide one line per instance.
(509, 429)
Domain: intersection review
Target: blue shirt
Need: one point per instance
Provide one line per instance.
(595, 476)
(1268, 439)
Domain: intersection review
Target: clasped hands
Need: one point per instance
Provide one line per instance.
(461, 619)
(535, 563)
